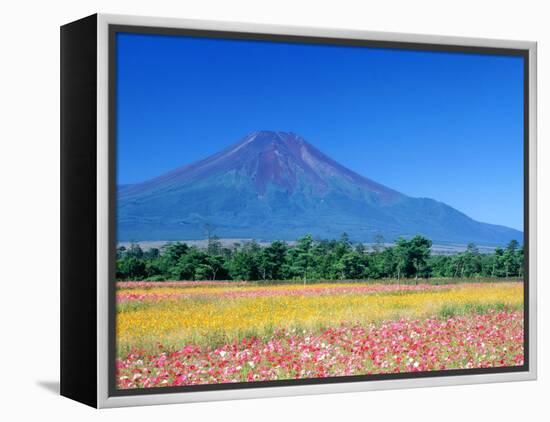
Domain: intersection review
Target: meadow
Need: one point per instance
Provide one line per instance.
(186, 333)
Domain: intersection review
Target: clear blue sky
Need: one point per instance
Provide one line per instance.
(447, 126)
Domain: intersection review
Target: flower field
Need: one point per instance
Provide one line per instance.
(187, 333)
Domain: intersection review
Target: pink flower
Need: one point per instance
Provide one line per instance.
(474, 341)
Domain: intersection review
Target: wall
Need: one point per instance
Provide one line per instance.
(29, 173)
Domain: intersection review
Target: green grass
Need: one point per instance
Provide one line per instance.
(451, 310)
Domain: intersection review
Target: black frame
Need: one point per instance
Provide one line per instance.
(79, 211)
(151, 30)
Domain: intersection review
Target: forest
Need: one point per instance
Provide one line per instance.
(308, 260)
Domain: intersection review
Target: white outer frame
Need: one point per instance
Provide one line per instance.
(103, 400)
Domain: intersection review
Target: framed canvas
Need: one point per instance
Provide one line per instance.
(260, 210)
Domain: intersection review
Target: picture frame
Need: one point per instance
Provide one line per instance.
(89, 195)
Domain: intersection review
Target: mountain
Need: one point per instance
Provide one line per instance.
(276, 185)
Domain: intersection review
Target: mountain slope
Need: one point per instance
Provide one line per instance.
(275, 185)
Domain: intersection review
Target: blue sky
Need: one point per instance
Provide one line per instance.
(447, 126)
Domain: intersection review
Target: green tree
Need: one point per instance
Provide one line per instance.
(210, 267)
(471, 265)
(271, 261)
(342, 246)
(378, 243)
(520, 262)
(440, 265)
(134, 250)
(170, 255)
(509, 265)
(313, 260)
(496, 270)
(244, 264)
(511, 259)
(152, 253)
(352, 265)
(388, 263)
(402, 259)
(303, 257)
(214, 246)
(130, 268)
(186, 267)
(419, 249)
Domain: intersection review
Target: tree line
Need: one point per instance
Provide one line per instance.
(309, 259)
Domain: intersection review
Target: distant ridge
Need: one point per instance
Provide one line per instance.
(275, 185)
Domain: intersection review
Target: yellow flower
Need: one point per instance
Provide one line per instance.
(213, 315)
